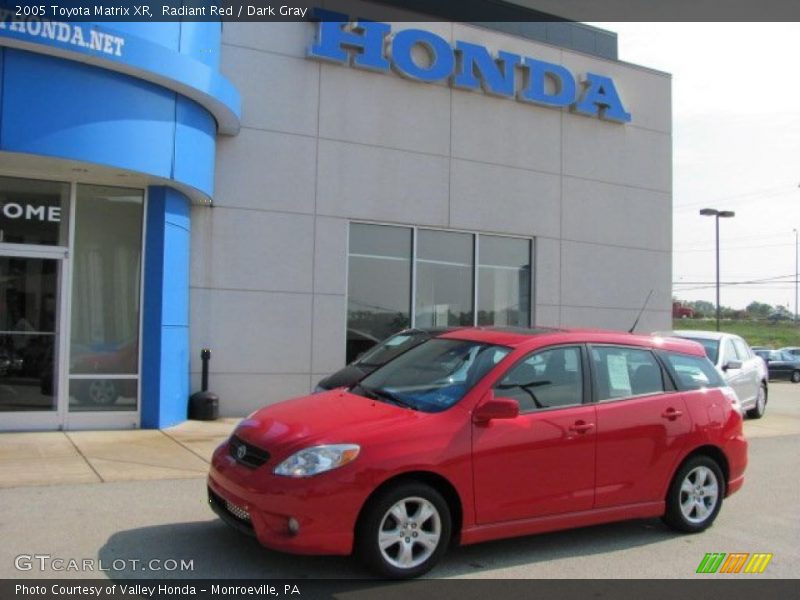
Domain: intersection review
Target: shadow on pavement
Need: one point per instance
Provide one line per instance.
(217, 551)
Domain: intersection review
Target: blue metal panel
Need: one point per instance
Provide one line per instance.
(195, 145)
(202, 41)
(70, 110)
(134, 52)
(2, 78)
(163, 33)
(175, 302)
(174, 401)
(165, 356)
(152, 310)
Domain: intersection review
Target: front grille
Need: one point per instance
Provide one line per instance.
(237, 511)
(233, 515)
(247, 454)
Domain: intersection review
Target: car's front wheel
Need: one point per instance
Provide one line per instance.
(761, 403)
(404, 531)
(695, 495)
(795, 376)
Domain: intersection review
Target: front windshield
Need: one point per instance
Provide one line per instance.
(433, 376)
(388, 349)
(711, 347)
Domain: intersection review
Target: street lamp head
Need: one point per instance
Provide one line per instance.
(726, 213)
(709, 212)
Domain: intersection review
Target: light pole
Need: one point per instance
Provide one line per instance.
(713, 212)
(796, 270)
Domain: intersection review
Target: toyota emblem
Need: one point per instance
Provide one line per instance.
(241, 452)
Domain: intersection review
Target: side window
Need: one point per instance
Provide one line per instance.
(624, 372)
(728, 352)
(741, 349)
(546, 379)
(692, 372)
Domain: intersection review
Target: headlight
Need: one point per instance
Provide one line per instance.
(317, 459)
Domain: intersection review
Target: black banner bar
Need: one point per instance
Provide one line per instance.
(732, 588)
(404, 10)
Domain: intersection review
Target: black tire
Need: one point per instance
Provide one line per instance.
(692, 488)
(761, 404)
(414, 536)
(795, 376)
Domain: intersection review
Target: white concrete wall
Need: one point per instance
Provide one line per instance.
(321, 144)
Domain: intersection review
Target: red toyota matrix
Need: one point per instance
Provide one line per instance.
(483, 434)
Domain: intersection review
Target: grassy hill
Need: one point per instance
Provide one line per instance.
(757, 333)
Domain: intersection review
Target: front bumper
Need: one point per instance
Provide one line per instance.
(258, 503)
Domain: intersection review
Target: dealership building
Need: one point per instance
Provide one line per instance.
(287, 194)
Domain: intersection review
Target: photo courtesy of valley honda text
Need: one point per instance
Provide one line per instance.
(288, 194)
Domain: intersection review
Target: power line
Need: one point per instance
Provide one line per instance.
(726, 248)
(737, 198)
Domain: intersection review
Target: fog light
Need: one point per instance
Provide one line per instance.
(294, 526)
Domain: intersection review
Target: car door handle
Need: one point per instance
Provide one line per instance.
(581, 427)
(671, 414)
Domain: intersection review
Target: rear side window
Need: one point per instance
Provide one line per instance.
(625, 372)
(692, 372)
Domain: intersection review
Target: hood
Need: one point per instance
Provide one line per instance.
(345, 377)
(331, 417)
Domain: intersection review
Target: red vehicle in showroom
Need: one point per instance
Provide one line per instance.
(482, 434)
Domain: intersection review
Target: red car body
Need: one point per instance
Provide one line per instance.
(541, 471)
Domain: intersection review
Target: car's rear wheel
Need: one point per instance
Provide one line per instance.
(761, 403)
(795, 376)
(404, 531)
(695, 495)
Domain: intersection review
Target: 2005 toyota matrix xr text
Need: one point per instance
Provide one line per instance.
(483, 434)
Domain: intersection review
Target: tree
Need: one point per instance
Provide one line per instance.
(702, 308)
(759, 310)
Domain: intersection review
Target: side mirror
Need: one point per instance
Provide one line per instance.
(732, 364)
(495, 408)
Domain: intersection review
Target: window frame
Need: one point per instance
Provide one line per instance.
(587, 392)
(531, 313)
(666, 376)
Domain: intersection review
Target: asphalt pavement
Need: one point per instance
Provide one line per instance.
(123, 526)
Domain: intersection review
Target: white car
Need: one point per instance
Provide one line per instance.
(745, 372)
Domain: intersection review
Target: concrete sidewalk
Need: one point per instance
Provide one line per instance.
(59, 457)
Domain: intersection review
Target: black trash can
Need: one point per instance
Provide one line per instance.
(204, 406)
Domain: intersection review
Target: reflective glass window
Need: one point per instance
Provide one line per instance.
(444, 291)
(104, 333)
(504, 281)
(379, 285)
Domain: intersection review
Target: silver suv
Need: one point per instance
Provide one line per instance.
(745, 372)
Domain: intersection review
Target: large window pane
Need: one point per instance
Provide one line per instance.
(33, 212)
(379, 285)
(504, 281)
(28, 334)
(444, 279)
(105, 296)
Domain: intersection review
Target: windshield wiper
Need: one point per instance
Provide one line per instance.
(386, 395)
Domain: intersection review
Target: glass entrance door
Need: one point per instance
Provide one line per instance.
(29, 340)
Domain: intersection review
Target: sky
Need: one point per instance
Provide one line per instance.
(736, 146)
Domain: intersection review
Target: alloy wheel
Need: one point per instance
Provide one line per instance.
(699, 495)
(409, 532)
